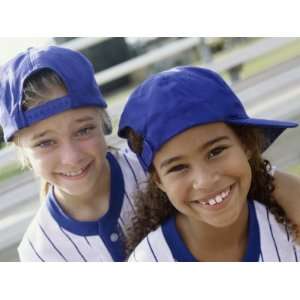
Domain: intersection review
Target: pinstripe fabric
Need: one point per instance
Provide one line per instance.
(275, 243)
(38, 257)
(48, 239)
(153, 248)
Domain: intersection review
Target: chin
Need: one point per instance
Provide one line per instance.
(222, 224)
(75, 192)
(224, 221)
(236, 217)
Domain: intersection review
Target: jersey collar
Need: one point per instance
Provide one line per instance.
(181, 253)
(106, 222)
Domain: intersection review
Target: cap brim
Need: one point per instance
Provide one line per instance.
(272, 128)
(263, 123)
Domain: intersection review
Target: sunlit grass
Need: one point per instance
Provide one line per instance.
(10, 171)
(295, 169)
(272, 58)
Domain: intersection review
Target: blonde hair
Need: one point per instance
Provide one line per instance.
(38, 89)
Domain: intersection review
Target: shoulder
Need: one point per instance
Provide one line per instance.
(130, 166)
(27, 248)
(153, 248)
(264, 217)
(38, 242)
(275, 240)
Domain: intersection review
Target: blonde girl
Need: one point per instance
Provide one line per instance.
(52, 109)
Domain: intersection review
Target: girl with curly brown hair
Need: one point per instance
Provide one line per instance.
(210, 192)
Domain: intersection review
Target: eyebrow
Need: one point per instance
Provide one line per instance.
(168, 161)
(40, 135)
(83, 119)
(80, 120)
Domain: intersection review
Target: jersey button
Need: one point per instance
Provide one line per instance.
(114, 237)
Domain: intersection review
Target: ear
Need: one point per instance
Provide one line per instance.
(157, 181)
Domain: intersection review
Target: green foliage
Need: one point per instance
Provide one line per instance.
(10, 171)
(275, 57)
(295, 169)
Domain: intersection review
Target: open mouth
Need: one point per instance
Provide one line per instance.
(217, 200)
(76, 174)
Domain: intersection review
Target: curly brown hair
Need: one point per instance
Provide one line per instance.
(153, 205)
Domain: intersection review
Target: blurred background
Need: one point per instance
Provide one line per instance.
(264, 72)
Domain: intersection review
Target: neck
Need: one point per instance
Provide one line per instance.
(90, 206)
(209, 243)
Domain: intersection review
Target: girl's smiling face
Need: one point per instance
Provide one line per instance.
(205, 173)
(68, 150)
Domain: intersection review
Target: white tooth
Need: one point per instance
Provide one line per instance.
(219, 199)
(73, 173)
(226, 193)
(211, 202)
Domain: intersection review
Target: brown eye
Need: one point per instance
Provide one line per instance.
(177, 168)
(216, 151)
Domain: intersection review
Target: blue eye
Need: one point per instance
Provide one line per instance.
(44, 144)
(216, 151)
(85, 131)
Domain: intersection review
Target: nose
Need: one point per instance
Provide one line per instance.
(205, 178)
(71, 153)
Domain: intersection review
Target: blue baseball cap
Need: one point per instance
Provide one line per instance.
(75, 70)
(173, 101)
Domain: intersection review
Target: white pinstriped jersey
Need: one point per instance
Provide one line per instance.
(267, 241)
(55, 236)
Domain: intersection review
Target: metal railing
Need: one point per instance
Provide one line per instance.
(221, 64)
